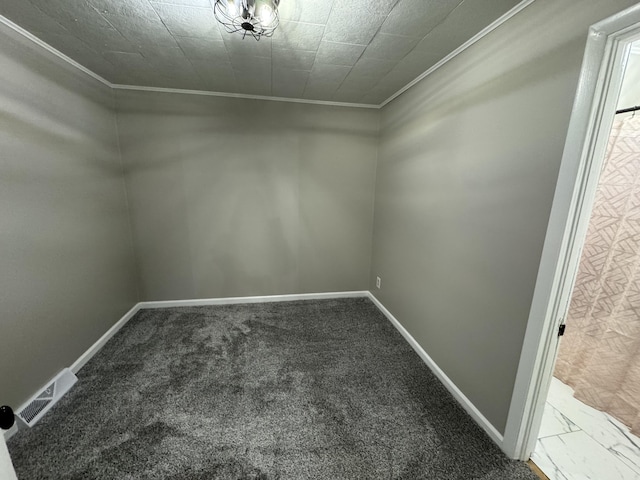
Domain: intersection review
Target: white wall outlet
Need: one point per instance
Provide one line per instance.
(378, 282)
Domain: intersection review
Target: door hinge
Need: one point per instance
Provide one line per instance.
(561, 330)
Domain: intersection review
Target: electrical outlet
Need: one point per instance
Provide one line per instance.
(378, 282)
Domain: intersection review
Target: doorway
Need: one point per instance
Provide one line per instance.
(608, 47)
(591, 418)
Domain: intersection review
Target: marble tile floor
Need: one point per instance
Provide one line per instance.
(577, 442)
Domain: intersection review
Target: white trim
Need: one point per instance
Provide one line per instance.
(469, 407)
(515, 10)
(7, 471)
(478, 36)
(591, 119)
(244, 96)
(17, 28)
(53, 390)
(462, 399)
(257, 299)
(97, 346)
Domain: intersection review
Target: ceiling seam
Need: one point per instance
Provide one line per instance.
(363, 51)
(306, 82)
(271, 63)
(315, 57)
(195, 70)
(104, 17)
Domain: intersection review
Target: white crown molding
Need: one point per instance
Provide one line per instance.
(242, 95)
(481, 34)
(25, 33)
(515, 10)
(50, 49)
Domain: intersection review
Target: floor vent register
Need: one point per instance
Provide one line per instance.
(47, 397)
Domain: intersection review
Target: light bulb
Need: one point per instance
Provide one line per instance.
(266, 15)
(232, 8)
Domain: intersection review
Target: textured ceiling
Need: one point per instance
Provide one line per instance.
(354, 51)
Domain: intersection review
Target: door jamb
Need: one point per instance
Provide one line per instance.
(607, 49)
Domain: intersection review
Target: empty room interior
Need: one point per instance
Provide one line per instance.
(294, 239)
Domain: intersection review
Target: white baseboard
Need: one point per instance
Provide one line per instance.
(453, 389)
(469, 407)
(261, 299)
(95, 348)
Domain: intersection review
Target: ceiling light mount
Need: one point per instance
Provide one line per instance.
(257, 18)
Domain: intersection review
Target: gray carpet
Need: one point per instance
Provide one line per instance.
(294, 390)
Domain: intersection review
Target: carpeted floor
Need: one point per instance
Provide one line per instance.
(295, 390)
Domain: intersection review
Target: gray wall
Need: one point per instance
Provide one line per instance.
(65, 244)
(467, 168)
(235, 197)
(244, 197)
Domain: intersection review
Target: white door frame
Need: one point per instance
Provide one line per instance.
(6, 467)
(607, 50)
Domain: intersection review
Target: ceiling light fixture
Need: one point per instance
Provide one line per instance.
(258, 18)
